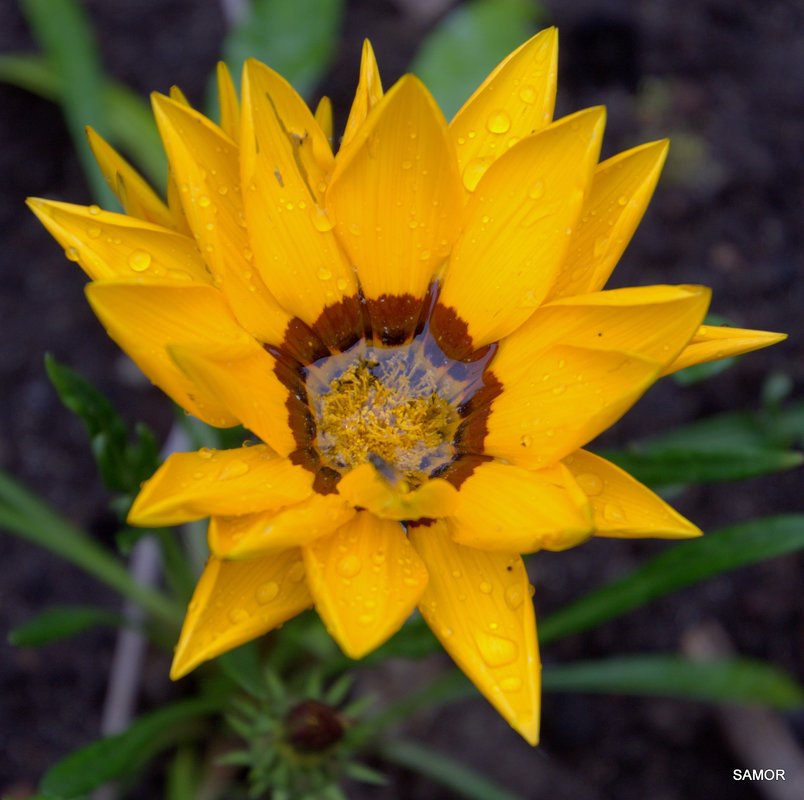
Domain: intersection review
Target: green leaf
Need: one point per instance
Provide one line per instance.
(668, 467)
(123, 465)
(469, 42)
(116, 756)
(63, 31)
(682, 565)
(697, 373)
(183, 775)
(296, 39)
(61, 623)
(242, 665)
(736, 680)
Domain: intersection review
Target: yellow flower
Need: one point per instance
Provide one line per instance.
(415, 329)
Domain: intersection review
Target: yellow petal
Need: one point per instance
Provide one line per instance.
(366, 488)
(366, 580)
(712, 342)
(295, 250)
(513, 510)
(621, 189)
(237, 601)
(256, 535)
(622, 506)
(478, 605)
(241, 481)
(653, 321)
(135, 195)
(515, 101)
(228, 102)
(109, 245)
(146, 318)
(178, 96)
(368, 94)
(395, 197)
(517, 228)
(563, 402)
(244, 381)
(204, 161)
(323, 116)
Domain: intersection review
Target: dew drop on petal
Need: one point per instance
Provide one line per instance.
(474, 171)
(233, 470)
(496, 651)
(321, 220)
(511, 684)
(613, 512)
(94, 210)
(237, 615)
(324, 274)
(204, 201)
(499, 122)
(139, 260)
(527, 94)
(342, 283)
(71, 253)
(590, 483)
(349, 566)
(205, 452)
(536, 190)
(267, 591)
(485, 587)
(514, 595)
(93, 231)
(296, 572)
(622, 200)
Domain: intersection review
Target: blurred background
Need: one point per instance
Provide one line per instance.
(724, 79)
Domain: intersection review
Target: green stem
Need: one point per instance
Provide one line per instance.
(26, 515)
(444, 770)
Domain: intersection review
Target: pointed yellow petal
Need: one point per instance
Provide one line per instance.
(563, 402)
(228, 102)
(478, 605)
(237, 601)
(712, 342)
(204, 161)
(178, 96)
(622, 506)
(135, 195)
(395, 197)
(244, 381)
(241, 481)
(653, 321)
(517, 228)
(366, 580)
(364, 487)
(514, 510)
(256, 535)
(515, 101)
(323, 116)
(369, 92)
(621, 189)
(146, 318)
(174, 204)
(109, 245)
(295, 250)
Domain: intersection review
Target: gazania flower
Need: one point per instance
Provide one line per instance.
(415, 330)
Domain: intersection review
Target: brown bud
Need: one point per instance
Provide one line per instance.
(312, 727)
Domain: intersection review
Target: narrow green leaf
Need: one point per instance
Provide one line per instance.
(365, 774)
(737, 680)
(123, 465)
(668, 467)
(697, 373)
(63, 31)
(296, 39)
(469, 42)
(183, 775)
(242, 665)
(116, 756)
(682, 565)
(61, 622)
(451, 774)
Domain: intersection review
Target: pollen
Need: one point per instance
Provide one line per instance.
(385, 408)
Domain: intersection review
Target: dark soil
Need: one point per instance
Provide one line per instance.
(723, 78)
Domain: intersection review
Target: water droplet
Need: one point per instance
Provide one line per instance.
(514, 595)
(499, 122)
(412, 582)
(296, 572)
(223, 189)
(511, 684)
(527, 94)
(233, 470)
(342, 283)
(456, 573)
(324, 274)
(93, 231)
(321, 220)
(205, 452)
(267, 591)
(590, 483)
(407, 164)
(354, 229)
(366, 619)
(378, 558)
(536, 190)
(613, 512)
(289, 206)
(237, 615)
(93, 209)
(474, 171)
(485, 587)
(204, 201)
(622, 200)
(349, 566)
(496, 651)
(601, 243)
(413, 224)
(531, 589)
(139, 260)
(526, 441)
(71, 253)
